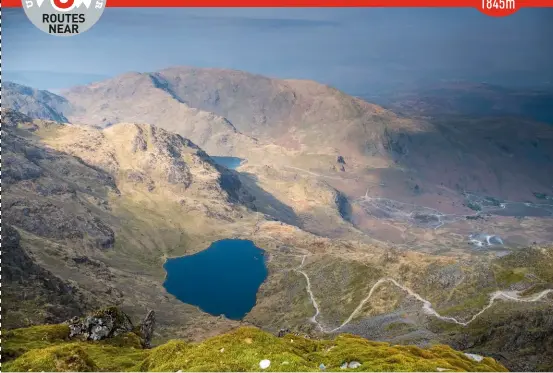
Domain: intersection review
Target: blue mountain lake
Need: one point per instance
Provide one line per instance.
(221, 280)
(228, 162)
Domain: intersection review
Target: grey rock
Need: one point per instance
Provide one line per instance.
(106, 323)
(354, 364)
(322, 367)
(139, 142)
(447, 277)
(147, 328)
(136, 177)
(285, 249)
(98, 328)
(75, 327)
(283, 332)
(475, 357)
(179, 173)
(344, 365)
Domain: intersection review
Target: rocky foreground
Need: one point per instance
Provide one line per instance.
(108, 341)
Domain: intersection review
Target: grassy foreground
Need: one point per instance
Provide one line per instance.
(48, 348)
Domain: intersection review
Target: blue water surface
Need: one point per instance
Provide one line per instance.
(228, 162)
(221, 280)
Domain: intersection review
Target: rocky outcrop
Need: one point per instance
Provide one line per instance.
(147, 329)
(11, 118)
(111, 322)
(27, 284)
(341, 163)
(48, 220)
(54, 179)
(106, 323)
(283, 332)
(447, 277)
(523, 341)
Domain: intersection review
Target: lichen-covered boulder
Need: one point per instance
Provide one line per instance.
(106, 323)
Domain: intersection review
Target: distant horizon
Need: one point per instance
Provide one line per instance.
(76, 79)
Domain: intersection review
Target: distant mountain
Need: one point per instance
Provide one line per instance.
(228, 112)
(138, 97)
(36, 103)
(209, 102)
(225, 110)
(472, 99)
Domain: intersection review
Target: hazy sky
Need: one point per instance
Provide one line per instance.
(358, 50)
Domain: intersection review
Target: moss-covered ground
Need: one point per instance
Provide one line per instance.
(48, 348)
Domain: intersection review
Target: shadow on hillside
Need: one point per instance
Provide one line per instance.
(500, 157)
(266, 203)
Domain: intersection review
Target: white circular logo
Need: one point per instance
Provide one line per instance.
(64, 17)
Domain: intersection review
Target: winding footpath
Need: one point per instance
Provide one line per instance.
(426, 305)
(313, 319)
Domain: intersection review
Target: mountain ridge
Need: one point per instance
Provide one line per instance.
(39, 104)
(309, 125)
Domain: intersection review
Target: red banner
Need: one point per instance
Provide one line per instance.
(496, 8)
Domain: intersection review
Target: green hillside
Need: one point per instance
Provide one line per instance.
(49, 348)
